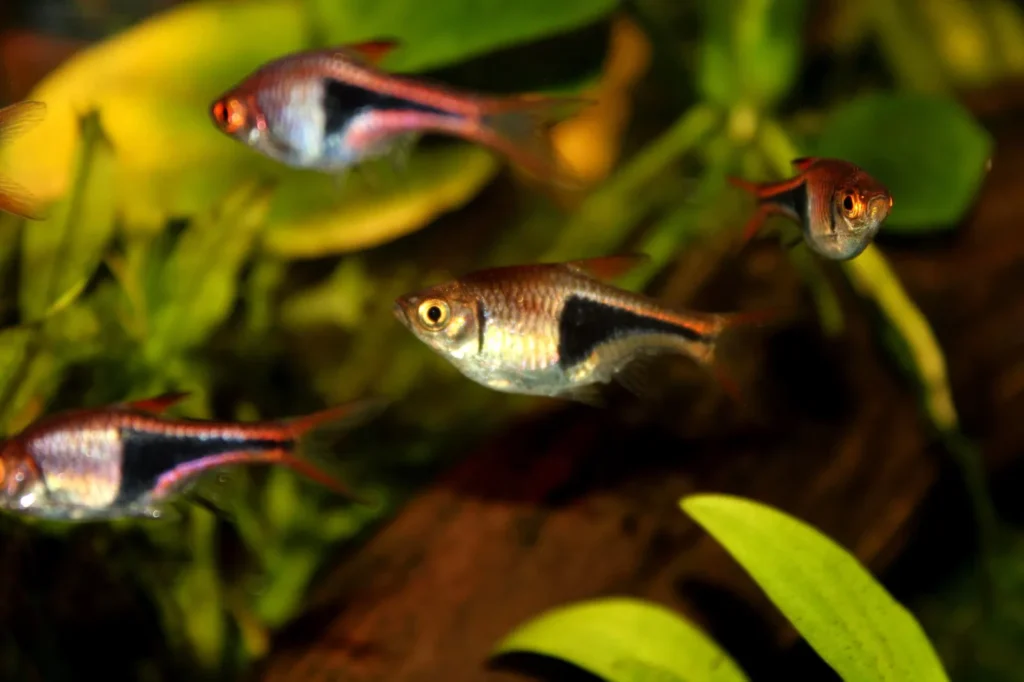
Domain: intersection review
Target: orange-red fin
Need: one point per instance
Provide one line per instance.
(755, 188)
(349, 414)
(729, 323)
(17, 200)
(803, 163)
(519, 128)
(157, 404)
(316, 475)
(374, 51)
(609, 268)
(753, 226)
(752, 318)
(18, 118)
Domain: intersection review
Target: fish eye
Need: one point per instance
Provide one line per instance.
(434, 314)
(851, 205)
(229, 115)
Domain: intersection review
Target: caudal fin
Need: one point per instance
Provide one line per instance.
(518, 127)
(300, 428)
(15, 120)
(729, 326)
(349, 414)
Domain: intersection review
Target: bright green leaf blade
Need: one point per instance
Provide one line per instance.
(312, 215)
(199, 283)
(625, 640)
(61, 251)
(927, 150)
(833, 601)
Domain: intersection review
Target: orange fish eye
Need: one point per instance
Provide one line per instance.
(230, 115)
(852, 205)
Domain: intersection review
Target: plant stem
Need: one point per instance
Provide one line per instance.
(604, 219)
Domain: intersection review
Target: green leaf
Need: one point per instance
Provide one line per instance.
(926, 149)
(61, 252)
(17, 351)
(625, 640)
(199, 282)
(751, 50)
(833, 601)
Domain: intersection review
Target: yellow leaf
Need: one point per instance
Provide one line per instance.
(182, 59)
(314, 216)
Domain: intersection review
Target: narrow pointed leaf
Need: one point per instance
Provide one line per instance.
(833, 601)
(625, 640)
(199, 282)
(58, 253)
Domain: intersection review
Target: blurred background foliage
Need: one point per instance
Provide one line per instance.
(173, 258)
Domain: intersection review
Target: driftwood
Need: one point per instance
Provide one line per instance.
(570, 504)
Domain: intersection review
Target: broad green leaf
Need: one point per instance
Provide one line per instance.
(833, 601)
(63, 250)
(926, 149)
(751, 50)
(317, 217)
(199, 282)
(625, 640)
(153, 85)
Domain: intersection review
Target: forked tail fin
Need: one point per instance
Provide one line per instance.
(519, 128)
(15, 120)
(300, 428)
(730, 324)
(349, 414)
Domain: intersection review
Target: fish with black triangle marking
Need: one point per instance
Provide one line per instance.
(126, 460)
(839, 206)
(559, 329)
(331, 109)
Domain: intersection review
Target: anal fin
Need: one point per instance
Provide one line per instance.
(588, 394)
(639, 377)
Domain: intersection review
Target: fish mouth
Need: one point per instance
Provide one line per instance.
(879, 207)
(400, 313)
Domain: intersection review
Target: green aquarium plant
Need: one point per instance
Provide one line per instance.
(174, 258)
(849, 619)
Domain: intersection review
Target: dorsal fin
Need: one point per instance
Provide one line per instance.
(156, 404)
(804, 162)
(372, 52)
(609, 267)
